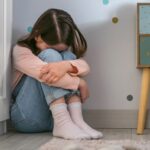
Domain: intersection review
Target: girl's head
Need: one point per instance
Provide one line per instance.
(55, 29)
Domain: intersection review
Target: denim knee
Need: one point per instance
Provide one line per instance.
(68, 55)
(50, 55)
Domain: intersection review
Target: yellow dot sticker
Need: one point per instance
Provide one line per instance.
(115, 20)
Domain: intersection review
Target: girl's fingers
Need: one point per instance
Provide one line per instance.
(44, 77)
(49, 77)
(53, 80)
(48, 72)
(84, 96)
(45, 69)
(43, 73)
(83, 100)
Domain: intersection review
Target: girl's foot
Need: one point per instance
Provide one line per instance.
(63, 125)
(75, 110)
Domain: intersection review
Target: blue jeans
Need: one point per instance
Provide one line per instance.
(30, 110)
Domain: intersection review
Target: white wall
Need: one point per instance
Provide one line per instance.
(1, 46)
(111, 47)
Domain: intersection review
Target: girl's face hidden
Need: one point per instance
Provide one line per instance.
(41, 45)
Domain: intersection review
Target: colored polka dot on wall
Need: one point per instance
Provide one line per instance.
(29, 29)
(115, 20)
(105, 2)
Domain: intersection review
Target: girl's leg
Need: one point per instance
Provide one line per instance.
(63, 125)
(75, 110)
(28, 113)
(68, 55)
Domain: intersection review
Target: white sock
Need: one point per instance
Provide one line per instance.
(75, 110)
(63, 125)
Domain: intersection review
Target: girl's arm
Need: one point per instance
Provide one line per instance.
(79, 66)
(71, 65)
(25, 61)
(84, 90)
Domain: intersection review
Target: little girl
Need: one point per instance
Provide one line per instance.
(48, 89)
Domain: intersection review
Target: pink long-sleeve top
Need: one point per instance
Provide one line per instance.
(25, 62)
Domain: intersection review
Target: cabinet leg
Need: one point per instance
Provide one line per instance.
(143, 100)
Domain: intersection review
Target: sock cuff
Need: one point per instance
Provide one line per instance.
(75, 105)
(58, 106)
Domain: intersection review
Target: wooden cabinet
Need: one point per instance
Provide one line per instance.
(143, 60)
(143, 35)
(5, 65)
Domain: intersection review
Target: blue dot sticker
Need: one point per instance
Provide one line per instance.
(105, 2)
(29, 29)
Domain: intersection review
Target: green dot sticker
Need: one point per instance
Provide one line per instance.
(115, 20)
(105, 2)
(29, 29)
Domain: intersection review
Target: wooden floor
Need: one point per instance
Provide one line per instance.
(19, 141)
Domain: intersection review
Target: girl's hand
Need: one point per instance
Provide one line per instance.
(84, 91)
(52, 72)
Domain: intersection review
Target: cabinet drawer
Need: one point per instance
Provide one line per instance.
(145, 50)
(144, 19)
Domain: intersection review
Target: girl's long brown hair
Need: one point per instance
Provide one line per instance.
(56, 26)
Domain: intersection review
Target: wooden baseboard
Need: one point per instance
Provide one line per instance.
(109, 119)
(113, 118)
